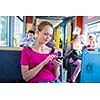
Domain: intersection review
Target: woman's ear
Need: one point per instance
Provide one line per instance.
(37, 32)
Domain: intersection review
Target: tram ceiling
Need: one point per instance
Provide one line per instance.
(52, 17)
(55, 20)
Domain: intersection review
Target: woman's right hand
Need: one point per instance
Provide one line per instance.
(49, 58)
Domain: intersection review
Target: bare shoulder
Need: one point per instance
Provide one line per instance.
(48, 48)
(51, 49)
(56, 51)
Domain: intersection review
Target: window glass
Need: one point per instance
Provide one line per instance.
(18, 29)
(4, 31)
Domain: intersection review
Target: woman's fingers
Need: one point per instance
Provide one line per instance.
(57, 62)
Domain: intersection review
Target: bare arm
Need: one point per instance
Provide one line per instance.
(57, 64)
(30, 73)
(57, 72)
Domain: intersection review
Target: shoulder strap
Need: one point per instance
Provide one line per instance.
(28, 47)
(53, 50)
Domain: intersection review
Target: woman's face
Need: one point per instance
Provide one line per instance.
(91, 41)
(77, 40)
(46, 34)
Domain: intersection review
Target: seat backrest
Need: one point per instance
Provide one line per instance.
(10, 69)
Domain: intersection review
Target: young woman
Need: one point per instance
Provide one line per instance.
(38, 62)
(73, 56)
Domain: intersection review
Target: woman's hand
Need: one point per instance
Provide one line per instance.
(57, 62)
(49, 58)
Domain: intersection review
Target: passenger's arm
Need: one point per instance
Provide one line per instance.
(30, 73)
(23, 42)
(68, 52)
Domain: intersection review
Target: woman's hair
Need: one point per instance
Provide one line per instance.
(74, 37)
(91, 37)
(43, 24)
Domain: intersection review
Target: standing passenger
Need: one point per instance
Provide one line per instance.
(38, 62)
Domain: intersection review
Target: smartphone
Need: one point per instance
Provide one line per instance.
(60, 57)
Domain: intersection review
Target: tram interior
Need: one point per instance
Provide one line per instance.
(13, 27)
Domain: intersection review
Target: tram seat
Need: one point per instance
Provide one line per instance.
(10, 69)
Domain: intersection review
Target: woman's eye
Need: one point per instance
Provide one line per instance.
(45, 33)
(51, 36)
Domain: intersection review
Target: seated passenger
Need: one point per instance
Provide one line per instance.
(28, 40)
(91, 43)
(38, 62)
(73, 53)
